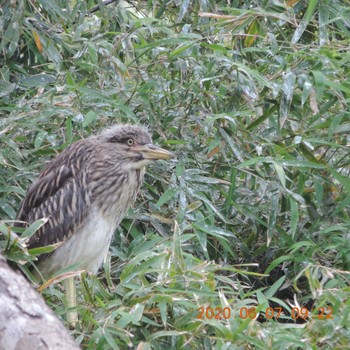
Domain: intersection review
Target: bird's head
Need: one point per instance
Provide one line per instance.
(132, 144)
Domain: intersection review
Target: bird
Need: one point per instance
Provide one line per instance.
(83, 194)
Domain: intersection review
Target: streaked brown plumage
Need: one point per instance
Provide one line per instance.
(85, 192)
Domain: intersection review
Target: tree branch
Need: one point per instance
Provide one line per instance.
(105, 3)
(26, 322)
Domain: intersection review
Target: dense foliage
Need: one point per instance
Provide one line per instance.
(254, 99)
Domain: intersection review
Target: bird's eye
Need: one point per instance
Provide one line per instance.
(130, 142)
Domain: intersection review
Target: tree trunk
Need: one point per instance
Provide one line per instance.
(26, 322)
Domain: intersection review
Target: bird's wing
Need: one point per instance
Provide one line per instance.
(61, 195)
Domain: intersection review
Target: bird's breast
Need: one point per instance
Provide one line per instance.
(116, 191)
(86, 249)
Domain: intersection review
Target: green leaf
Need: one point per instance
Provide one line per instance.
(33, 228)
(40, 137)
(274, 210)
(319, 83)
(183, 47)
(275, 287)
(44, 250)
(89, 118)
(214, 231)
(38, 80)
(277, 262)
(294, 217)
(166, 196)
(281, 174)
(343, 180)
(312, 5)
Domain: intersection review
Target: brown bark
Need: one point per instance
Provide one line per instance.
(26, 322)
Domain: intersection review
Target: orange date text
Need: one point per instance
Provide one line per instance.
(244, 312)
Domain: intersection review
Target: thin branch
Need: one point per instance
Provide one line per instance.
(105, 3)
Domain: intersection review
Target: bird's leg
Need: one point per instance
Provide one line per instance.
(71, 296)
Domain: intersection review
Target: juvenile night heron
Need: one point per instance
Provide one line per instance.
(84, 193)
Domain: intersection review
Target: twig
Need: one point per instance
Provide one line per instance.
(105, 3)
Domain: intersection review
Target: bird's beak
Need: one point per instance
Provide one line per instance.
(153, 152)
